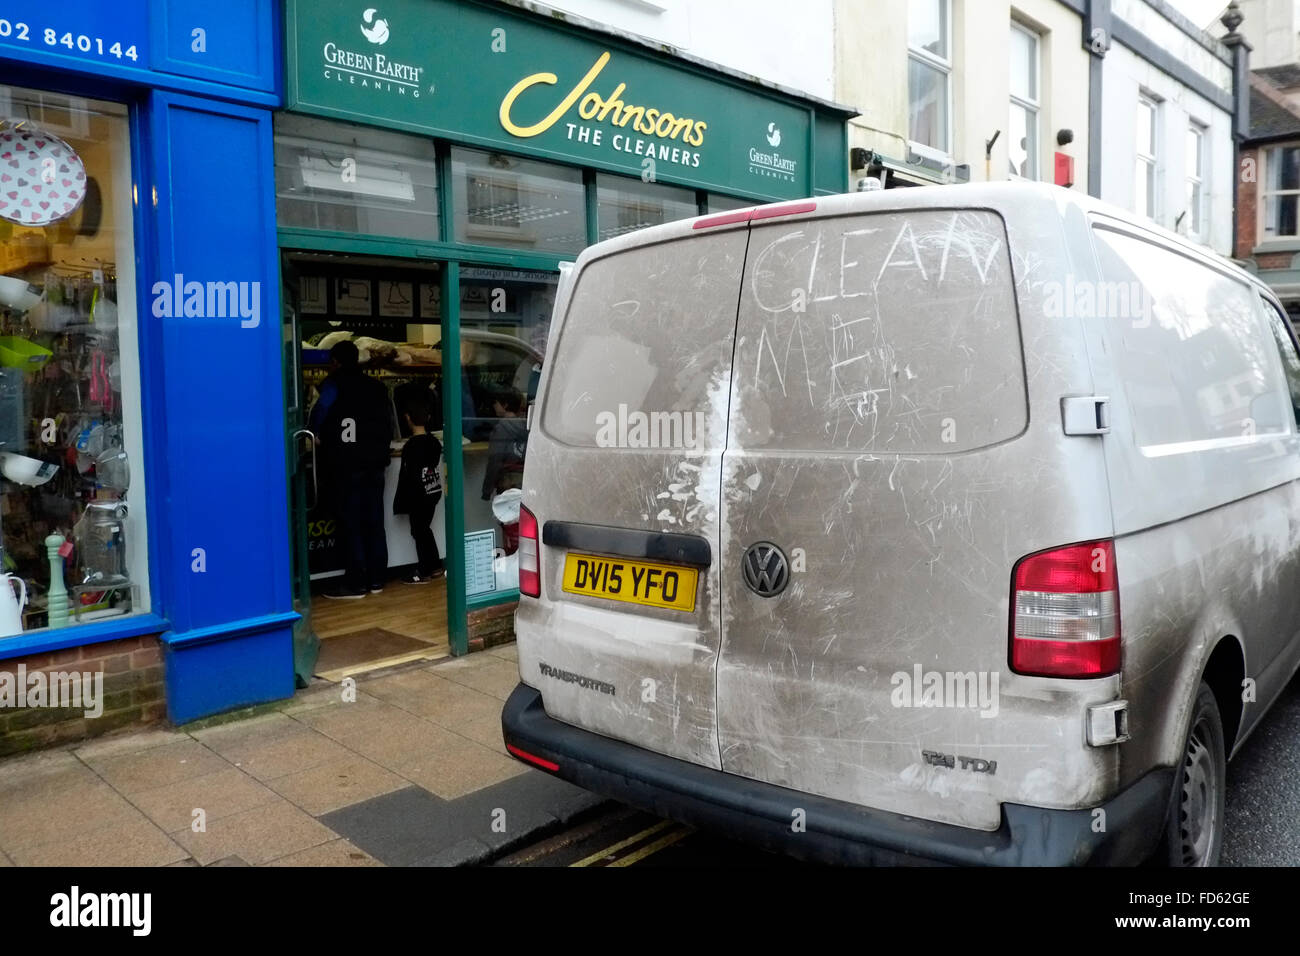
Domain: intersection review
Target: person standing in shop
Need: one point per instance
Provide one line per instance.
(353, 424)
(419, 488)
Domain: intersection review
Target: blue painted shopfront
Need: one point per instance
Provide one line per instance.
(200, 81)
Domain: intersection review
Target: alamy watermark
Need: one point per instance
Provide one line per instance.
(1098, 300)
(74, 908)
(208, 300)
(637, 429)
(959, 689)
(57, 689)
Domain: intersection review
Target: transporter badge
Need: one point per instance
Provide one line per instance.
(582, 680)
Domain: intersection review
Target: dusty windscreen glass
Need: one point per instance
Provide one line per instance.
(888, 332)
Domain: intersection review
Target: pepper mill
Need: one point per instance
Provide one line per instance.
(57, 605)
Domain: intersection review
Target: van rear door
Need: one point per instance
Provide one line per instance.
(865, 532)
(623, 478)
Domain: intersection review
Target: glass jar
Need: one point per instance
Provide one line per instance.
(101, 543)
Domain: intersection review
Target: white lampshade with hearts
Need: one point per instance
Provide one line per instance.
(42, 180)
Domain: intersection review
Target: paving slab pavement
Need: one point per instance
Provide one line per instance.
(410, 773)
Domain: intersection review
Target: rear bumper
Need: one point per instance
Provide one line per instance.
(836, 832)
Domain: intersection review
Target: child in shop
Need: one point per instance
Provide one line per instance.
(507, 445)
(419, 488)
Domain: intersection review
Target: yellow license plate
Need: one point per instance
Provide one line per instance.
(634, 582)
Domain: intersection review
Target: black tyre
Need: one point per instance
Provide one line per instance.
(1193, 834)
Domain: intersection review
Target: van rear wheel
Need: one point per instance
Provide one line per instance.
(1194, 828)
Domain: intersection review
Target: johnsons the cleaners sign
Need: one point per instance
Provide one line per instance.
(487, 75)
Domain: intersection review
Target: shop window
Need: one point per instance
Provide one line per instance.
(720, 203)
(341, 178)
(493, 202)
(505, 319)
(628, 204)
(503, 200)
(72, 516)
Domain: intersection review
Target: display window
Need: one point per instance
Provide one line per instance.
(505, 320)
(516, 203)
(72, 516)
(625, 205)
(342, 178)
(720, 203)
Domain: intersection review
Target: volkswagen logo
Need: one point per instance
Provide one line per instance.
(767, 572)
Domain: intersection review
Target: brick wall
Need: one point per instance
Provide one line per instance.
(1274, 260)
(1247, 205)
(133, 693)
(490, 626)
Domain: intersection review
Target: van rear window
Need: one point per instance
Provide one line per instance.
(643, 358)
(891, 332)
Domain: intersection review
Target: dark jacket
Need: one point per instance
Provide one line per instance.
(419, 480)
(506, 447)
(353, 420)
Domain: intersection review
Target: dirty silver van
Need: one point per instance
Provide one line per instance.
(956, 524)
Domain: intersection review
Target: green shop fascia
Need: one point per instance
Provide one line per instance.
(457, 152)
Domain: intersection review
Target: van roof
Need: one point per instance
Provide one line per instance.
(972, 195)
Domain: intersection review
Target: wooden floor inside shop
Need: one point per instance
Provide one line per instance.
(406, 622)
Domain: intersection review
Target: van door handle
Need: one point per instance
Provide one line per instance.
(1085, 414)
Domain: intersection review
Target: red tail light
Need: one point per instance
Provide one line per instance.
(542, 762)
(530, 561)
(1065, 611)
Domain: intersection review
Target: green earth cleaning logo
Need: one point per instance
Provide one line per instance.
(371, 70)
(376, 31)
(772, 164)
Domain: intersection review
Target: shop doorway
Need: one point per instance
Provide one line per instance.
(390, 310)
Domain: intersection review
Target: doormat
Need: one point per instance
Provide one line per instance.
(365, 650)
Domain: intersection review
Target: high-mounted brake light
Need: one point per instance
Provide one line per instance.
(1065, 619)
(758, 212)
(530, 562)
(725, 219)
(783, 209)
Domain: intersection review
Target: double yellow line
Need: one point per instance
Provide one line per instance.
(602, 857)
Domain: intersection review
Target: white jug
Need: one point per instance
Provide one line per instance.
(11, 608)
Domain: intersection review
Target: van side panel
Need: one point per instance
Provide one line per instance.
(1188, 585)
(899, 442)
(629, 436)
(1203, 457)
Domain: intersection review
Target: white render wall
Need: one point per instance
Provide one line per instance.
(788, 42)
(981, 84)
(872, 75)
(1124, 75)
(1150, 23)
